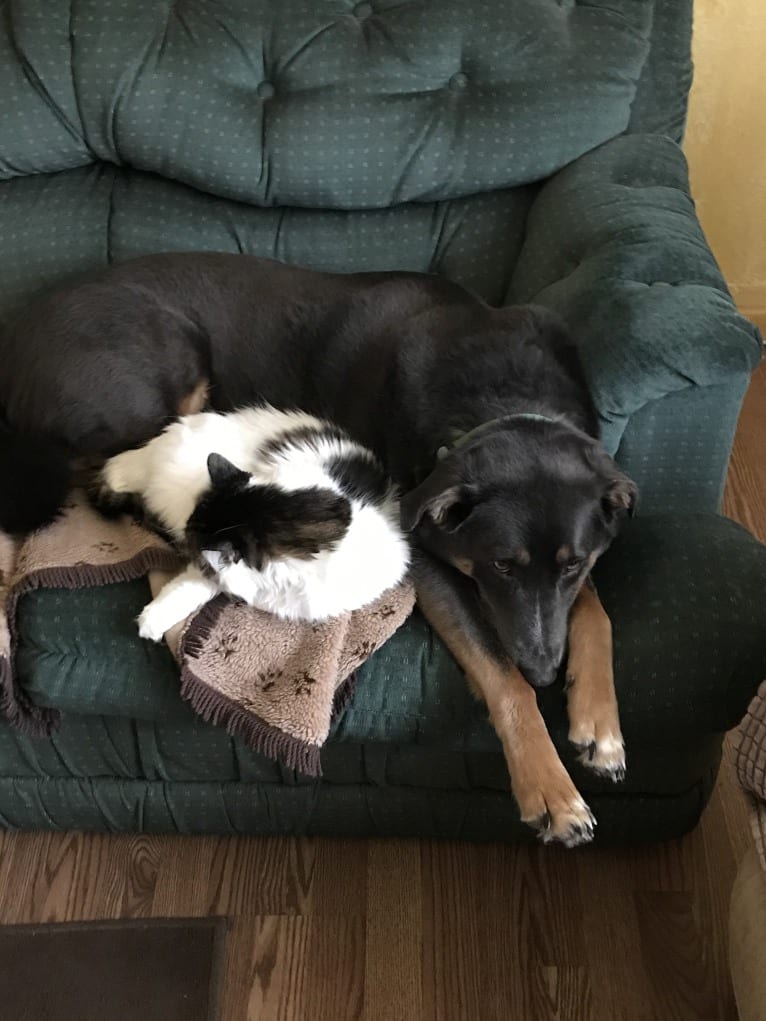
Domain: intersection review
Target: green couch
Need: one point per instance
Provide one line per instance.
(528, 149)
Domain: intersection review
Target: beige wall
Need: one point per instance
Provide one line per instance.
(726, 140)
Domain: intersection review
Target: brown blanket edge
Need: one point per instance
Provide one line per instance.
(15, 704)
(214, 707)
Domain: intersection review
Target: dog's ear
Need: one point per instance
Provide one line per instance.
(620, 496)
(223, 473)
(447, 503)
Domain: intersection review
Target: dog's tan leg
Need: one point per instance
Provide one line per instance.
(194, 401)
(547, 798)
(594, 721)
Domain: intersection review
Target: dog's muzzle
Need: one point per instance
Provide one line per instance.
(540, 673)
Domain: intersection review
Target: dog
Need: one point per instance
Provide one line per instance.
(482, 416)
(297, 520)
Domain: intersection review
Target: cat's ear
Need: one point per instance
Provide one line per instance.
(223, 472)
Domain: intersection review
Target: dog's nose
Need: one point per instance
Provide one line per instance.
(538, 671)
(540, 674)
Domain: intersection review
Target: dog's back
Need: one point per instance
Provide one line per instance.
(103, 363)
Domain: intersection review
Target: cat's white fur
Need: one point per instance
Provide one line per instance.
(170, 475)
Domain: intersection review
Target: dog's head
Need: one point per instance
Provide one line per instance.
(236, 521)
(525, 510)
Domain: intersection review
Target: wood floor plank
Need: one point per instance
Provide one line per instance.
(494, 919)
(8, 842)
(24, 859)
(340, 877)
(238, 977)
(59, 877)
(530, 915)
(287, 875)
(619, 982)
(181, 887)
(452, 933)
(260, 876)
(675, 957)
(545, 883)
(713, 881)
(144, 859)
(307, 967)
(280, 949)
(394, 932)
(566, 994)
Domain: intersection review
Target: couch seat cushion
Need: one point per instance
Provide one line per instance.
(682, 592)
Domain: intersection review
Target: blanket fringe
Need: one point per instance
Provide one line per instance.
(199, 630)
(216, 708)
(261, 737)
(18, 709)
(15, 705)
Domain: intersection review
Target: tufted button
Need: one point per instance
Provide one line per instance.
(265, 90)
(458, 81)
(362, 11)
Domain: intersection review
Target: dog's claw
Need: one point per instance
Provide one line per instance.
(591, 750)
(568, 682)
(542, 823)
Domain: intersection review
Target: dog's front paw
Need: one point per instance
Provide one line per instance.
(594, 725)
(570, 826)
(603, 753)
(557, 812)
(150, 624)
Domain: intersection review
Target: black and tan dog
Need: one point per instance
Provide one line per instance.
(481, 415)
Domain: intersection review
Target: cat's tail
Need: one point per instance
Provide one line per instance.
(35, 476)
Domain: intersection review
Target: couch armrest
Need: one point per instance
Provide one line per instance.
(613, 245)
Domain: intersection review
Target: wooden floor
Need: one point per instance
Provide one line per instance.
(384, 930)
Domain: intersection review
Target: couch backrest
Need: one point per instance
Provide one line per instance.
(442, 101)
(663, 89)
(322, 103)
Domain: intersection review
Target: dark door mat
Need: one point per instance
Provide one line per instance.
(153, 970)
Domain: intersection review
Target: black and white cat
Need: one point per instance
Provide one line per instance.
(277, 508)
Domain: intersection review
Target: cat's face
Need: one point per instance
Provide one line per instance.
(236, 521)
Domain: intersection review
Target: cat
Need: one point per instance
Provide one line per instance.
(277, 508)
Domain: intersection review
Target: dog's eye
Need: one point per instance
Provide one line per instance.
(503, 566)
(572, 566)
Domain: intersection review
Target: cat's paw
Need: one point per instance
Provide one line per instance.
(150, 624)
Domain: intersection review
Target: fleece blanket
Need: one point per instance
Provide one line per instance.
(276, 684)
(750, 762)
